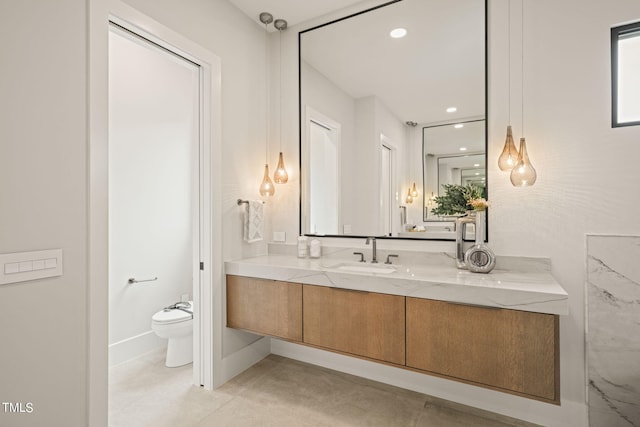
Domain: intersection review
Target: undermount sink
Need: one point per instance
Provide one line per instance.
(366, 268)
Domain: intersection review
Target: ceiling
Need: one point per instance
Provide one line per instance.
(293, 11)
(439, 63)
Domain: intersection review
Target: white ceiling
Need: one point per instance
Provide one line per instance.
(292, 11)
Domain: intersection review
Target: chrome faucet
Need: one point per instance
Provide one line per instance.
(372, 239)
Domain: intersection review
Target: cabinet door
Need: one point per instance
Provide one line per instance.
(361, 323)
(506, 349)
(267, 307)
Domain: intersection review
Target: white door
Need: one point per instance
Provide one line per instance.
(323, 179)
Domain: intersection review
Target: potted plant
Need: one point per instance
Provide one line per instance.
(457, 199)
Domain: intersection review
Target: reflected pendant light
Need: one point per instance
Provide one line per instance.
(280, 175)
(509, 156)
(266, 188)
(523, 174)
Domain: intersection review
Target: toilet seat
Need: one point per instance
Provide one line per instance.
(170, 316)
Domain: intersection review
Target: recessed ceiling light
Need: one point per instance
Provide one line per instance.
(476, 165)
(458, 126)
(452, 110)
(398, 33)
(484, 179)
(463, 148)
(477, 173)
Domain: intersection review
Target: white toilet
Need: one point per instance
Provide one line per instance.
(175, 323)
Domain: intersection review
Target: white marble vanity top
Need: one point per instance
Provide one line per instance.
(519, 283)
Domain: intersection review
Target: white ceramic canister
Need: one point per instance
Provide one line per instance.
(315, 248)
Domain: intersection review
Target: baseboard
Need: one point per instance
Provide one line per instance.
(569, 413)
(133, 347)
(245, 358)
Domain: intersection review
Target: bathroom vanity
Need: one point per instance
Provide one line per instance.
(499, 331)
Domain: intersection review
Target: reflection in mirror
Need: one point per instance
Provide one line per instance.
(452, 154)
(362, 92)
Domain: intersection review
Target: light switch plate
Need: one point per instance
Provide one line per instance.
(279, 236)
(25, 266)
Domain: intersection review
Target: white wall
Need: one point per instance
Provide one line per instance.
(153, 145)
(43, 183)
(586, 169)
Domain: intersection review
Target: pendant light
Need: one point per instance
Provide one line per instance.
(280, 175)
(509, 156)
(266, 188)
(409, 198)
(523, 174)
(414, 191)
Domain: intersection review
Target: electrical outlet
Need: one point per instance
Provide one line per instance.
(279, 236)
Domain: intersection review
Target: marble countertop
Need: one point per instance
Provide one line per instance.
(516, 283)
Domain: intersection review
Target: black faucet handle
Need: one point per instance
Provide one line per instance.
(361, 256)
(389, 258)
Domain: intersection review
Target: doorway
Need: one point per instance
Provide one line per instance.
(158, 200)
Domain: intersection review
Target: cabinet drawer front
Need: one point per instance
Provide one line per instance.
(365, 324)
(267, 307)
(507, 349)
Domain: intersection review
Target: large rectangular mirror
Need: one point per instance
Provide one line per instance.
(365, 97)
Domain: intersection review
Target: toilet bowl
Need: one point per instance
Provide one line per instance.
(175, 323)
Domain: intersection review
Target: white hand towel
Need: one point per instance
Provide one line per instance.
(253, 221)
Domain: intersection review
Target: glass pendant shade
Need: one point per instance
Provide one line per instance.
(523, 174)
(509, 156)
(267, 188)
(409, 198)
(280, 176)
(414, 191)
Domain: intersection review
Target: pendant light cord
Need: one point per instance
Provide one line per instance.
(522, 65)
(280, 87)
(509, 54)
(266, 96)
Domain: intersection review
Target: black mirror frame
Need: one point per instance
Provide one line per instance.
(486, 110)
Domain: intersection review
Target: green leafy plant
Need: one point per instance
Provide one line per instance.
(456, 200)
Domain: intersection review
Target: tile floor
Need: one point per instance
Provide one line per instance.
(275, 392)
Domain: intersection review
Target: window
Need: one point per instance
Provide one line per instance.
(625, 75)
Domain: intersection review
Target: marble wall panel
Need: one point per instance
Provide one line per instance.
(613, 330)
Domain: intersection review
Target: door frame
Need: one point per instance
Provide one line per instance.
(208, 295)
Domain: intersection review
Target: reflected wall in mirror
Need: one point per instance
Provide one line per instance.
(452, 153)
(362, 92)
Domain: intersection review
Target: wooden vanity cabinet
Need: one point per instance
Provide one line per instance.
(509, 350)
(267, 307)
(366, 324)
